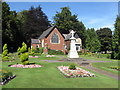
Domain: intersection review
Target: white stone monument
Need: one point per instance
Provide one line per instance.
(73, 52)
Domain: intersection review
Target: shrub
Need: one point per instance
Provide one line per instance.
(32, 51)
(24, 54)
(54, 52)
(29, 50)
(5, 52)
(25, 63)
(39, 50)
(4, 75)
(72, 67)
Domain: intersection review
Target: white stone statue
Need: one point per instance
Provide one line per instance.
(73, 52)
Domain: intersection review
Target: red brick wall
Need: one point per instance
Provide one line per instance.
(34, 45)
(59, 46)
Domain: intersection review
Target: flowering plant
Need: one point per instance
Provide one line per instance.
(78, 72)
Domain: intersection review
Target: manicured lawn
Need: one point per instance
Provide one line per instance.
(48, 76)
(103, 65)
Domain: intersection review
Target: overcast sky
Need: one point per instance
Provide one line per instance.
(92, 14)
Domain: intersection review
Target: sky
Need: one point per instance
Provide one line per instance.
(92, 14)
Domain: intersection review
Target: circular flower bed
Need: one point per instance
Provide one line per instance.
(26, 66)
(34, 56)
(78, 72)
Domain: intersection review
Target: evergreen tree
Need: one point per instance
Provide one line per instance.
(34, 23)
(92, 42)
(10, 30)
(116, 40)
(105, 37)
(65, 21)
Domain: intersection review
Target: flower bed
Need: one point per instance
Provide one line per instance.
(5, 76)
(34, 56)
(26, 66)
(50, 56)
(78, 72)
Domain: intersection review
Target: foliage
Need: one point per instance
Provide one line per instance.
(92, 42)
(10, 28)
(39, 50)
(115, 67)
(29, 50)
(24, 56)
(5, 52)
(32, 51)
(116, 40)
(65, 21)
(72, 67)
(105, 37)
(33, 23)
(4, 75)
(55, 52)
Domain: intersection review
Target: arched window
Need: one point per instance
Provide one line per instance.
(55, 38)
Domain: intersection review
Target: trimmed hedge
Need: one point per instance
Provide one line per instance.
(54, 52)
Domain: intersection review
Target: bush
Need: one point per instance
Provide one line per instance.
(54, 52)
(39, 50)
(25, 63)
(4, 75)
(72, 67)
(24, 56)
(5, 52)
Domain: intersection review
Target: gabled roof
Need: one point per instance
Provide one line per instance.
(35, 41)
(47, 32)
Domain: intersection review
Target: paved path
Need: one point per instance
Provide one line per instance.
(115, 76)
(87, 64)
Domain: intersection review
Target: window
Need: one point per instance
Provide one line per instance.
(55, 38)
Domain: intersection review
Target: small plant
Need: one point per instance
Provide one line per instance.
(32, 51)
(5, 52)
(4, 75)
(72, 67)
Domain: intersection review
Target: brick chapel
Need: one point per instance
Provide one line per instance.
(53, 39)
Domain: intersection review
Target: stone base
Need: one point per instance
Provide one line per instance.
(73, 54)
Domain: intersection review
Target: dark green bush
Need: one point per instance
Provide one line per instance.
(72, 67)
(54, 52)
(39, 50)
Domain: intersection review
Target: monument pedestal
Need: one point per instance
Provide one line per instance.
(73, 52)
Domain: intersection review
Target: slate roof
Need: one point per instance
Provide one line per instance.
(46, 33)
(35, 41)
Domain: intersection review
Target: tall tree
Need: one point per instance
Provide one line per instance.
(92, 42)
(10, 33)
(35, 22)
(65, 21)
(116, 40)
(105, 37)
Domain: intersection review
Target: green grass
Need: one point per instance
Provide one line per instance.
(49, 76)
(103, 65)
(95, 58)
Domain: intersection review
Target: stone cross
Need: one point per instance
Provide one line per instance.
(72, 32)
